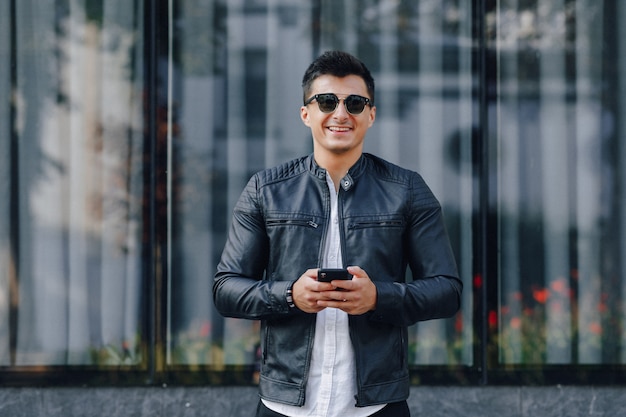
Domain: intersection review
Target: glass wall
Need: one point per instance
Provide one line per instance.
(559, 162)
(237, 98)
(420, 54)
(71, 82)
(128, 130)
(237, 95)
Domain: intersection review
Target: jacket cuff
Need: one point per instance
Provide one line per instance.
(289, 297)
(388, 299)
(282, 297)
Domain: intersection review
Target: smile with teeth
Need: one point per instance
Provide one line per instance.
(338, 129)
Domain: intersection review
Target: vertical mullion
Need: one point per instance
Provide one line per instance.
(481, 195)
(153, 255)
(14, 227)
(316, 36)
(612, 266)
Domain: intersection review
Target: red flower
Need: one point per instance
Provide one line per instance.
(516, 323)
(559, 286)
(205, 329)
(595, 328)
(478, 281)
(458, 323)
(541, 295)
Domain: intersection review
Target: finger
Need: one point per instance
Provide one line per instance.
(357, 271)
(339, 304)
(342, 284)
(312, 273)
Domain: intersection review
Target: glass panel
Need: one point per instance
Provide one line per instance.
(71, 239)
(561, 182)
(238, 68)
(420, 54)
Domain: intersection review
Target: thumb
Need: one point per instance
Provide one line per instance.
(357, 271)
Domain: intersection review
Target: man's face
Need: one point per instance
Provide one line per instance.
(338, 132)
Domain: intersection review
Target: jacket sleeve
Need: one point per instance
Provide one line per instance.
(435, 291)
(239, 289)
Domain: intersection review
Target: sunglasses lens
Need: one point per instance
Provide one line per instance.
(355, 104)
(327, 102)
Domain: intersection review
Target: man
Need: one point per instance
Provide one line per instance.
(336, 348)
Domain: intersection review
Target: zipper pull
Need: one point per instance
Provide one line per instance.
(312, 224)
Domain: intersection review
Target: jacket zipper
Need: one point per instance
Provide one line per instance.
(265, 344)
(376, 223)
(309, 223)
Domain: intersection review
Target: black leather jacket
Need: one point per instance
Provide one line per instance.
(389, 219)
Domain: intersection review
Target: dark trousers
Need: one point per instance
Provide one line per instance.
(400, 409)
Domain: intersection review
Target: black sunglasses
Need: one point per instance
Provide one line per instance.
(328, 102)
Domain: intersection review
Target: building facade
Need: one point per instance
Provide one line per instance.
(129, 128)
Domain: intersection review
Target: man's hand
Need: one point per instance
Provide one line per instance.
(356, 296)
(307, 292)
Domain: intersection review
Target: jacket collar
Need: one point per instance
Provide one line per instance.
(348, 180)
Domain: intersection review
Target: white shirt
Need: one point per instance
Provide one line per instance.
(331, 385)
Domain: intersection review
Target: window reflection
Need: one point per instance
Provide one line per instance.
(240, 114)
(560, 266)
(74, 156)
(72, 234)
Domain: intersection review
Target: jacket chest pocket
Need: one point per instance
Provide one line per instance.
(294, 241)
(307, 222)
(292, 229)
(366, 224)
(376, 242)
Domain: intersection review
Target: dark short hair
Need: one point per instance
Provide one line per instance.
(338, 64)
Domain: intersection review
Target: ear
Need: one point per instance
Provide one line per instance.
(372, 116)
(304, 116)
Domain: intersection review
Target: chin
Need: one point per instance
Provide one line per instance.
(340, 150)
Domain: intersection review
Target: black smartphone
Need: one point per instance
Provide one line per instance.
(329, 274)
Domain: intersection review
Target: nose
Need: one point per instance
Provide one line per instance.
(340, 111)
